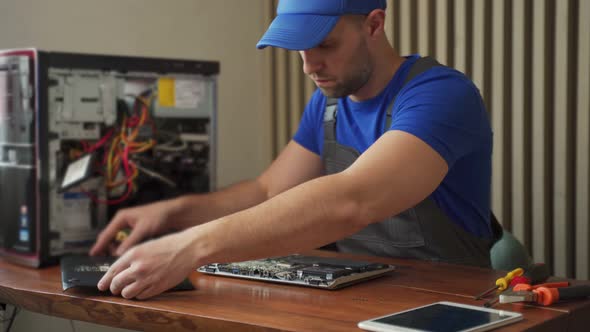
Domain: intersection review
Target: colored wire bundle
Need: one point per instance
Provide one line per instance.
(119, 146)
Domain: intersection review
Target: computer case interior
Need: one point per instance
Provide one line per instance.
(83, 135)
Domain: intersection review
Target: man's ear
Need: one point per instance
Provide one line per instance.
(375, 22)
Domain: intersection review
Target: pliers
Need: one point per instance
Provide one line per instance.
(545, 294)
(525, 287)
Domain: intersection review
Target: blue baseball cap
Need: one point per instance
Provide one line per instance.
(303, 24)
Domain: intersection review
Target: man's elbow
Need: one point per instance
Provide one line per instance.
(353, 206)
(363, 205)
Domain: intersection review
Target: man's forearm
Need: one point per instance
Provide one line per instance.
(195, 209)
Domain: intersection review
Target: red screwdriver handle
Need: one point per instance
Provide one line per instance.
(527, 287)
(558, 284)
(519, 280)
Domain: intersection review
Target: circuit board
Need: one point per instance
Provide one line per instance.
(311, 271)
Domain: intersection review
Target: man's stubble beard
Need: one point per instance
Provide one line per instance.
(362, 68)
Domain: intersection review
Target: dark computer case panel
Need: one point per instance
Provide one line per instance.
(146, 126)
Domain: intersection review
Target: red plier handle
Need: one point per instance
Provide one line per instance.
(547, 296)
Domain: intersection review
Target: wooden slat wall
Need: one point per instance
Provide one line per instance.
(531, 61)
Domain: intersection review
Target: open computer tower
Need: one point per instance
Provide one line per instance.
(82, 136)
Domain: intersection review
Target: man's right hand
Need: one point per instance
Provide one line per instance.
(144, 221)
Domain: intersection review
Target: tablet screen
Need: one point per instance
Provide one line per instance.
(442, 318)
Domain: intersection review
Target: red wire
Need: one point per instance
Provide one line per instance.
(105, 155)
(100, 143)
(110, 202)
(133, 121)
(125, 159)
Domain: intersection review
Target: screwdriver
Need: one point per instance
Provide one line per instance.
(502, 283)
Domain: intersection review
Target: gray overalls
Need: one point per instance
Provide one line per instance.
(422, 232)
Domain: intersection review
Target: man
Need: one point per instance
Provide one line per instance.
(420, 152)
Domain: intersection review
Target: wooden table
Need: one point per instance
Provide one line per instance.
(229, 304)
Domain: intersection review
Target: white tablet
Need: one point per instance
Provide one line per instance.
(442, 317)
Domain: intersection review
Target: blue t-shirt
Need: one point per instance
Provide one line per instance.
(442, 107)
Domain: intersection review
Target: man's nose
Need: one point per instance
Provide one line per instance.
(311, 62)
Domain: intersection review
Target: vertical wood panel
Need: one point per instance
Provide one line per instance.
(521, 116)
(442, 39)
(506, 126)
(497, 104)
(269, 14)
(571, 118)
(518, 82)
(397, 23)
(469, 38)
(296, 102)
(432, 26)
(266, 93)
(487, 63)
(561, 193)
(389, 22)
(540, 133)
(527, 130)
(479, 24)
(282, 95)
(583, 146)
(412, 34)
(460, 42)
(451, 33)
(423, 27)
(405, 34)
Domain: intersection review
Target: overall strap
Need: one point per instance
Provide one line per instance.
(330, 119)
(421, 65)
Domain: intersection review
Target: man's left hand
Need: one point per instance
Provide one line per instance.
(150, 268)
